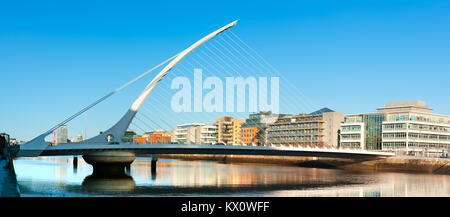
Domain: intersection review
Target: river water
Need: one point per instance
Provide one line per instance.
(57, 176)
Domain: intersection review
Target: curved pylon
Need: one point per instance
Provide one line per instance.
(116, 132)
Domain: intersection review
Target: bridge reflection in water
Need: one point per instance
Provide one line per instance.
(55, 176)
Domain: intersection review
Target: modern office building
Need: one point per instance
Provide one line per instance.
(61, 134)
(412, 127)
(362, 131)
(318, 129)
(407, 127)
(229, 130)
(195, 133)
(254, 129)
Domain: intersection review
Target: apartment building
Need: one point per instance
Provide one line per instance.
(208, 134)
(154, 137)
(229, 130)
(195, 133)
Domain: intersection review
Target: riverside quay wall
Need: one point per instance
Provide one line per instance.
(388, 164)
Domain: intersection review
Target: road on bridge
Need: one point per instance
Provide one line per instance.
(85, 149)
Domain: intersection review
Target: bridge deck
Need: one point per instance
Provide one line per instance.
(83, 149)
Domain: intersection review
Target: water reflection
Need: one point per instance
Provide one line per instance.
(104, 185)
(128, 170)
(61, 176)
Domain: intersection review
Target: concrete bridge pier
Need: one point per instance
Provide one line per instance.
(75, 161)
(153, 166)
(110, 163)
(75, 164)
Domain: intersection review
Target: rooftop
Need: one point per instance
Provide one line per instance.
(406, 106)
(417, 103)
(321, 111)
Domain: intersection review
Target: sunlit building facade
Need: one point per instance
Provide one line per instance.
(229, 130)
(254, 129)
(250, 135)
(411, 127)
(407, 127)
(61, 134)
(319, 129)
(208, 134)
(154, 137)
(195, 133)
(187, 133)
(362, 131)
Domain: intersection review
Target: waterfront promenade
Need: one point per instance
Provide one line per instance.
(407, 164)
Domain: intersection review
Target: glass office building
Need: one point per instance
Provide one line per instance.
(362, 131)
(373, 124)
(254, 129)
(407, 127)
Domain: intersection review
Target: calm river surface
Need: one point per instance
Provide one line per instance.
(56, 176)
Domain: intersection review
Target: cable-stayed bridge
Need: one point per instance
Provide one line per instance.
(143, 149)
(108, 147)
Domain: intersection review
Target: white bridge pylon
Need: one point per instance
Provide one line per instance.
(114, 134)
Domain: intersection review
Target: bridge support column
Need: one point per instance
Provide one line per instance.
(75, 164)
(109, 163)
(153, 166)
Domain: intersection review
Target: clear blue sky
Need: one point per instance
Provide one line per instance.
(350, 56)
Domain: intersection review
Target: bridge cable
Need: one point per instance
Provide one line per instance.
(290, 102)
(267, 63)
(108, 95)
(260, 66)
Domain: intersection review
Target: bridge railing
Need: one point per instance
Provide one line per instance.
(322, 148)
